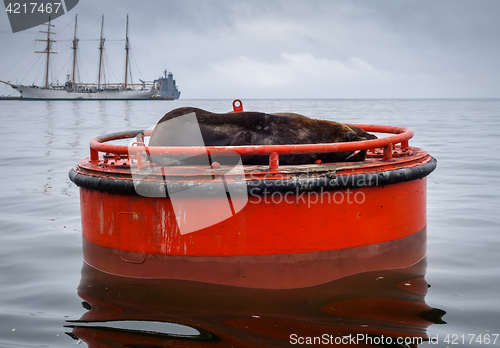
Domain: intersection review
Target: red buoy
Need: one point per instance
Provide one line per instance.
(275, 226)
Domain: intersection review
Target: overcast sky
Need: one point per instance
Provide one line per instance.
(280, 49)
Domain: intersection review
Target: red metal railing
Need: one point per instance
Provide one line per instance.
(402, 136)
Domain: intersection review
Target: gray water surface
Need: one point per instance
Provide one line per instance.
(40, 233)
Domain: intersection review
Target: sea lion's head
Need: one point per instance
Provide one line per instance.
(359, 155)
(361, 132)
(346, 134)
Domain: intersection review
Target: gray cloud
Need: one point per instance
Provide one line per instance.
(291, 48)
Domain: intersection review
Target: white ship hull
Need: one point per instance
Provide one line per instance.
(38, 93)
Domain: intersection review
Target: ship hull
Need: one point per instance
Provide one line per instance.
(37, 93)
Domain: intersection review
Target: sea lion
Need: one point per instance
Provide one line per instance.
(360, 132)
(256, 128)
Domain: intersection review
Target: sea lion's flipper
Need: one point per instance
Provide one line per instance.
(351, 136)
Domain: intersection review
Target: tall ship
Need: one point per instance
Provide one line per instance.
(163, 88)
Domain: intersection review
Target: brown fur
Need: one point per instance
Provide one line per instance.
(360, 132)
(255, 128)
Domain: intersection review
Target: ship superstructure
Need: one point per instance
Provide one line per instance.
(166, 87)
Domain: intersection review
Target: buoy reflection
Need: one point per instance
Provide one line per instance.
(125, 312)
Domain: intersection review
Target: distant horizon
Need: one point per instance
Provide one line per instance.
(252, 99)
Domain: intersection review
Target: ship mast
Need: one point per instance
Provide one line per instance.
(101, 48)
(47, 51)
(75, 45)
(127, 47)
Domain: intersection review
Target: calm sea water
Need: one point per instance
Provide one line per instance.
(40, 233)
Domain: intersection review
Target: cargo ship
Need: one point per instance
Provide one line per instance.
(166, 87)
